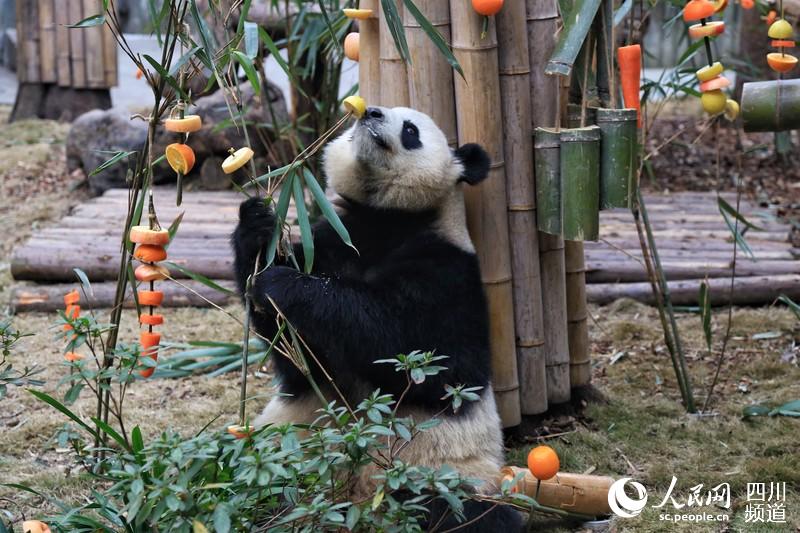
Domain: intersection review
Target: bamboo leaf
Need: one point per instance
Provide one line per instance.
(87, 285)
(89, 22)
(788, 409)
(306, 237)
(199, 278)
(249, 70)
(705, 312)
(173, 228)
(572, 37)
(111, 432)
(328, 23)
(327, 209)
(725, 206)
(281, 209)
(622, 12)
(116, 158)
(430, 30)
(792, 305)
(737, 236)
(52, 402)
(166, 76)
(755, 410)
(395, 25)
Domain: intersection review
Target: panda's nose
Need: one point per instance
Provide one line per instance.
(374, 112)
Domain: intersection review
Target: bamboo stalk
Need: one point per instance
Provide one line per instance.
(571, 38)
(110, 58)
(94, 43)
(771, 105)
(580, 369)
(28, 61)
(63, 66)
(393, 70)
(430, 81)
(580, 183)
(617, 156)
(76, 45)
(47, 28)
(542, 19)
(369, 70)
(478, 98)
(514, 64)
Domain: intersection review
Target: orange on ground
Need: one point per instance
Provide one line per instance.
(180, 157)
(72, 297)
(487, 7)
(187, 124)
(351, 45)
(150, 298)
(241, 432)
(151, 320)
(543, 462)
(781, 62)
(150, 253)
(698, 9)
(73, 356)
(145, 235)
(151, 272)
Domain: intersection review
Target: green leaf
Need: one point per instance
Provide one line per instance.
(222, 518)
(327, 19)
(327, 209)
(755, 410)
(116, 158)
(280, 217)
(173, 228)
(353, 514)
(788, 409)
(726, 207)
(792, 305)
(249, 70)
(250, 39)
(737, 235)
(306, 237)
(137, 442)
(166, 76)
(111, 432)
(395, 25)
(89, 22)
(199, 278)
(430, 30)
(84, 279)
(705, 313)
(46, 398)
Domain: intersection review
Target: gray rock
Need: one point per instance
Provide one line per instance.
(92, 140)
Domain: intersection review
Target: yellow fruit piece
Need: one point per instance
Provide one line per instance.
(187, 124)
(731, 110)
(713, 101)
(180, 157)
(237, 160)
(360, 14)
(355, 105)
(780, 29)
(709, 72)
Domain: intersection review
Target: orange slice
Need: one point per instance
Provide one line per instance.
(150, 298)
(145, 235)
(360, 14)
(180, 157)
(781, 62)
(150, 253)
(187, 124)
(709, 72)
(151, 272)
(711, 29)
(237, 160)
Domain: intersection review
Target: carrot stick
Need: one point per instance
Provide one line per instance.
(630, 73)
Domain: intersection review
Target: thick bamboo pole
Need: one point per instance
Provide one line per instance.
(47, 28)
(393, 70)
(76, 45)
(478, 98)
(430, 82)
(771, 105)
(580, 183)
(93, 38)
(28, 66)
(542, 19)
(369, 68)
(514, 63)
(63, 66)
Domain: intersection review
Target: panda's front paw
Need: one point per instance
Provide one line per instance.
(279, 284)
(255, 228)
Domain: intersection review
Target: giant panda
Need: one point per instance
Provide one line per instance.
(412, 283)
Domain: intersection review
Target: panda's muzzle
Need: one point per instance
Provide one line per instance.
(371, 121)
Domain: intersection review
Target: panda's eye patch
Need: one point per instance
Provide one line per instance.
(410, 136)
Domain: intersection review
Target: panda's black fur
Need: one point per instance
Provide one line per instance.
(407, 287)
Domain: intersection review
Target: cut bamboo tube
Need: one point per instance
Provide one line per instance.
(393, 70)
(478, 100)
(431, 77)
(514, 65)
(63, 66)
(617, 156)
(580, 365)
(548, 182)
(571, 38)
(47, 27)
(77, 46)
(369, 68)
(94, 44)
(580, 183)
(578, 493)
(771, 105)
(542, 18)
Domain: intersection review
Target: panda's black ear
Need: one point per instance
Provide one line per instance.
(476, 163)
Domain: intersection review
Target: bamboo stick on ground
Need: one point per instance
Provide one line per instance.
(394, 73)
(542, 19)
(478, 99)
(430, 81)
(369, 71)
(514, 63)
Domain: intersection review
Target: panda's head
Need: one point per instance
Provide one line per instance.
(398, 158)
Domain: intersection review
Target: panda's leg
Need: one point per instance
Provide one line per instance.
(283, 410)
(479, 517)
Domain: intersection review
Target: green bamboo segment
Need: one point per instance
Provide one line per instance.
(579, 116)
(617, 156)
(580, 367)
(548, 182)
(576, 27)
(580, 183)
(771, 105)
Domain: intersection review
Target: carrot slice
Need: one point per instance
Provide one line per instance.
(72, 297)
(73, 356)
(187, 124)
(150, 298)
(149, 342)
(241, 432)
(630, 73)
(150, 253)
(151, 320)
(782, 44)
(150, 272)
(712, 29)
(73, 311)
(145, 235)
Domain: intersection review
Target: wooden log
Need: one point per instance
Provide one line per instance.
(754, 290)
(771, 105)
(393, 70)
(629, 241)
(514, 65)
(47, 53)
(369, 68)
(542, 19)
(63, 64)
(478, 99)
(632, 271)
(617, 156)
(50, 298)
(430, 80)
(580, 183)
(697, 253)
(77, 46)
(93, 51)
